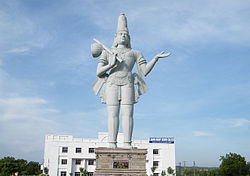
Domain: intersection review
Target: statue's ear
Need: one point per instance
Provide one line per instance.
(129, 43)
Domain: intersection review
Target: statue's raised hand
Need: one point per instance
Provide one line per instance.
(162, 55)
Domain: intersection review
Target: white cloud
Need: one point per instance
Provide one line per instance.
(236, 122)
(202, 133)
(13, 108)
(233, 122)
(240, 122)
(19, 50)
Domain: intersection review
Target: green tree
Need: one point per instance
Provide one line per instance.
(21, 165)
(8, 166)
(213, 172)
(83, 172)
(32, 168)
(187, 172)
(233, 165)
(163, 173)
(153, 170)
(203, 172)
(248, 168)
(46, 170)
(170, 170)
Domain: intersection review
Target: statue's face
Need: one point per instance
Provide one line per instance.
(122, 38)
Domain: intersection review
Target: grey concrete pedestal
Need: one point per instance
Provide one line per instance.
(120, 162)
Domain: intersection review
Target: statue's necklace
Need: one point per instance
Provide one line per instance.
(121, 52)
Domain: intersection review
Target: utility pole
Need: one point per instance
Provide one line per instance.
(194, 167)
(180, 169)
(184, 163)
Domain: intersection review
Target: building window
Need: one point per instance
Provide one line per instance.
(155, 163)
(63, 173)
(78, 150)
(65, 150)
(155, 151)
(91, 162)
(78, 161)
(77, 174)
(90, 173)
(91, 150)
(64, 161)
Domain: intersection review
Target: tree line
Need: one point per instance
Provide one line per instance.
(231, 165)
(10, 166)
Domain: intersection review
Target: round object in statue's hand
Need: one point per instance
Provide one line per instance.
(96, 49)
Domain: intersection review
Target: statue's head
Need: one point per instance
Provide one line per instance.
(122, 34)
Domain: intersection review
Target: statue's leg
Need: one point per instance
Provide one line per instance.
(113, 124)
(127, 123)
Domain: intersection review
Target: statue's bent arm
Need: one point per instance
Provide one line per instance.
(102, 69)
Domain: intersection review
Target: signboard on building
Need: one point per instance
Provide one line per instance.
(120, 164)
(168, 140)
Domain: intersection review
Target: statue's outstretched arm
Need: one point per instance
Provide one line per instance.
(146, 68)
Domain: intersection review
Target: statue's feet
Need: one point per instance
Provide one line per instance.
(112, 145)
(127, 145)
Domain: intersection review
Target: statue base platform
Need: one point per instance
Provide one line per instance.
(120, 162)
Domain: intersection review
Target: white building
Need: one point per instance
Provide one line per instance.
(64, 154)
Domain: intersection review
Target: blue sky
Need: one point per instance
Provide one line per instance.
(200, 94)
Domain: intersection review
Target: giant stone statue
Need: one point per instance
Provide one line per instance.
(120, 88)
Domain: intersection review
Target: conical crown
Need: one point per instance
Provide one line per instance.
(122, 23)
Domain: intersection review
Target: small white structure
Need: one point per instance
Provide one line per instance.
(65, 155)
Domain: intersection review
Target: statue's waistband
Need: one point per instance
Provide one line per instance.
(120, 79)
